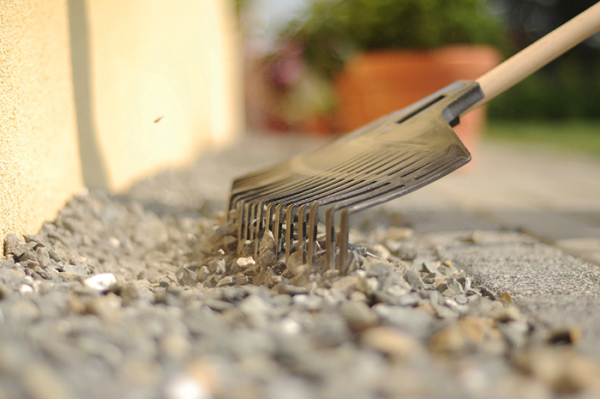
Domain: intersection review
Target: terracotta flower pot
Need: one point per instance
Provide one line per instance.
(376, 83)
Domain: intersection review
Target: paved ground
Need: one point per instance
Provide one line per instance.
(553, 198)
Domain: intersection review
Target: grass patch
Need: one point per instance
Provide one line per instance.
(581, 136)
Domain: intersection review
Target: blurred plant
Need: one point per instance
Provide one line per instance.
(568, 88)
(332, 30)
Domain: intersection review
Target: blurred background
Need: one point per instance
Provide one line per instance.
(328, 66)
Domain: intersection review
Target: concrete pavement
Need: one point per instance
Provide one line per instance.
(552, 196)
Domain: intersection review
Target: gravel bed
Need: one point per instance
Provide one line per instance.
(126, 297)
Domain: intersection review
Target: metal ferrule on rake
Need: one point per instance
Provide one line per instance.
(386, 159)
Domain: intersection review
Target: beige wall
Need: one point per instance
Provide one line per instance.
(150, 59)
(39, 160)
(82, 82)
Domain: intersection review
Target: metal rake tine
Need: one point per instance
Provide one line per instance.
(301, 230)
(289, 232)
(312, 234)
(278, 226)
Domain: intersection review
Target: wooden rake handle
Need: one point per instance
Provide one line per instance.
(538, 54)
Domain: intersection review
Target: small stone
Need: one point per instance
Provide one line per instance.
(411, 299)
(505, 297)
(331, 274)
(77, 271)
(488, 294)
(391, 342)
(100, 282)
(429, 278)
(376, 268)
(564, 370)
(222, 268)
(346, 284)
(252, 270)
(311, 303)
(507, 313)
(218, 305)
(227, 281)
(5, 291)
(398, 233)
(44, 274)
(330, 329)
(203, 274)
(130, 292)
(461, 299)
(263, 278)
(245, 263)
(454, 286)
(381, 252)
(443, 312)
(211, 281)
(174, 346)
(515, 333)
(186, 277)
(37, 239)
(216, 264)
(256, 310)
(358, 315)
(242, 280)
(368, 285)
(30, 255)
(295, 264)
(26, 289)
(289, 289)
(450, 340)
(468, 333)
(427, 266)
(267, 243)
(358, 296)
(105, 306)
(42, 256)
(267, 258)
(43, 382)
(247, 249)
(230, 243)
(414, 279)
(564, 336)
(10, 244)
(466, 283)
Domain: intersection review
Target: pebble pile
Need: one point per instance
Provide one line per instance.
(113, 299)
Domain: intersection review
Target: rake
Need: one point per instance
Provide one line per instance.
(386, 159)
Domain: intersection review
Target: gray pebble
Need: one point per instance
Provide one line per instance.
(358, 315)
(414, 279)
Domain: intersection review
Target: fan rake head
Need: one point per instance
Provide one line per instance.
(392, 156)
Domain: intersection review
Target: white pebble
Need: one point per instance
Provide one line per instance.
(186, 387)
(25, 289)
(290, 326)
(245, 262)
(100, 282)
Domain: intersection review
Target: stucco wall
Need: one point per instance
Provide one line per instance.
(152, 59)
(39, 159)
(101, 93)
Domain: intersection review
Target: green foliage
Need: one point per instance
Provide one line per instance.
(332, 30)
(565, 90)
